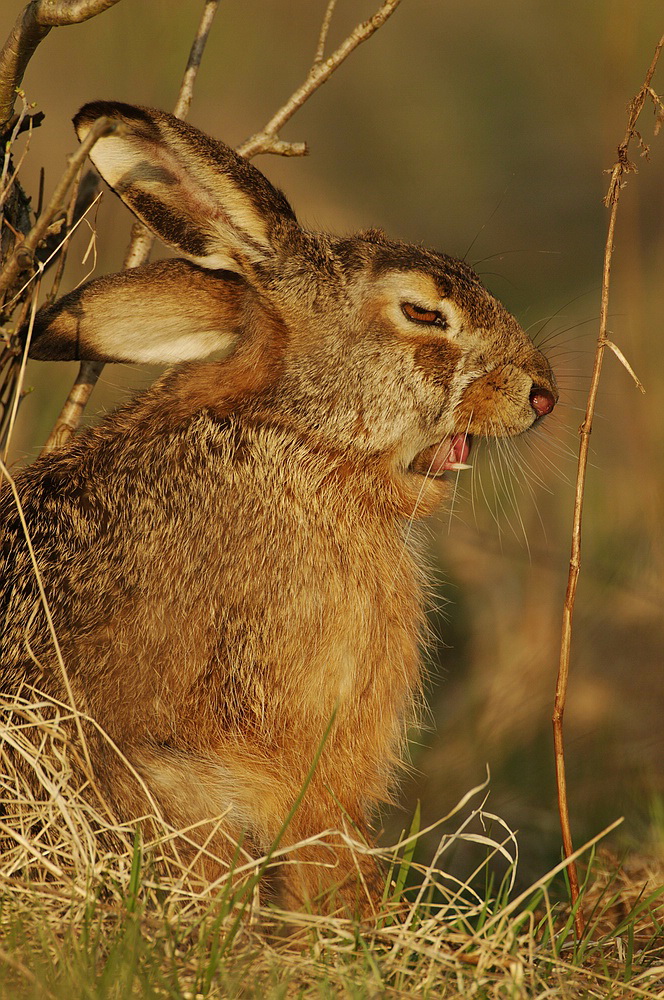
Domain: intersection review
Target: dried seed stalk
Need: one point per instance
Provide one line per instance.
(621, 167)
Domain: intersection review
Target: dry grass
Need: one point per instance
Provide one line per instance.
(87, 910)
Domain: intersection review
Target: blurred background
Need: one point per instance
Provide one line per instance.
(485, 134)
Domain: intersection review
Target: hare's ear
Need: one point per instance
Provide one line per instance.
(164, 312)
(196, 194)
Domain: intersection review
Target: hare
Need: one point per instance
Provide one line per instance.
(227, 559)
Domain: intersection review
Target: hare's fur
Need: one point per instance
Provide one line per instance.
(227, 559)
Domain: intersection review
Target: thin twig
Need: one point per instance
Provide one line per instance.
(139, 246)
(324, 30)
(267, 140)
(17, 388)
(70, 11)
(141, 240)
(6, 185)
(621, 167)
(70, 415)
(69, 219)
(194, 61)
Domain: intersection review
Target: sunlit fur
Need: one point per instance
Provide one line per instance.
(229, 559)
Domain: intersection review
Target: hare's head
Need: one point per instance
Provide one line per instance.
(392, 350)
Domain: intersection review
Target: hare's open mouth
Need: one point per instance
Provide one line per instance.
(449, 454)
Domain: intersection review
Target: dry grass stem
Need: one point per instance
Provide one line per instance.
(18, 385)
(63, 250)
(622, 166)
(32, 251)
(625, 363)
(42, 596)
(23, 260)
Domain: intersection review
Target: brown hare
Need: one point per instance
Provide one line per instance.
(228, 559)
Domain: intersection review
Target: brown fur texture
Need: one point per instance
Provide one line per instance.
(228, 558)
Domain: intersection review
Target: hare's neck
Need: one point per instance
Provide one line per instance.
(374, 481)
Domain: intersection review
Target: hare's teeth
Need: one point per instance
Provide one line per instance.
(458, 466)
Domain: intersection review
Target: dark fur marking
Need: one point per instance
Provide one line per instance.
(438, 361)
(181, 232)
(89, 113)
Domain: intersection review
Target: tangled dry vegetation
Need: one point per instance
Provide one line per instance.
(90, 910)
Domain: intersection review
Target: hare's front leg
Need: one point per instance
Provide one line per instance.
(330, 875)
(326, 861)
(249, 796)
(190, 793)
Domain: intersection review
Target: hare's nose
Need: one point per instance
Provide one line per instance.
(541, 400)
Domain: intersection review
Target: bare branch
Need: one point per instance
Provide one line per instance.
(194, 61)
(621, 167)
(6, 182)
(267, 141)
(30, 28)
(15, 55)
(324, 29)
(139, 246)
(15, 209)
(72, 411)
(70, 11)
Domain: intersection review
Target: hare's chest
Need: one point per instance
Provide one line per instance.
(345, 655)
(367, 642)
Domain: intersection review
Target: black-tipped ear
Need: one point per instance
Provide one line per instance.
(164, 312)
(195, 193)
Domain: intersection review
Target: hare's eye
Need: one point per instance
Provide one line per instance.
(418, 315)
